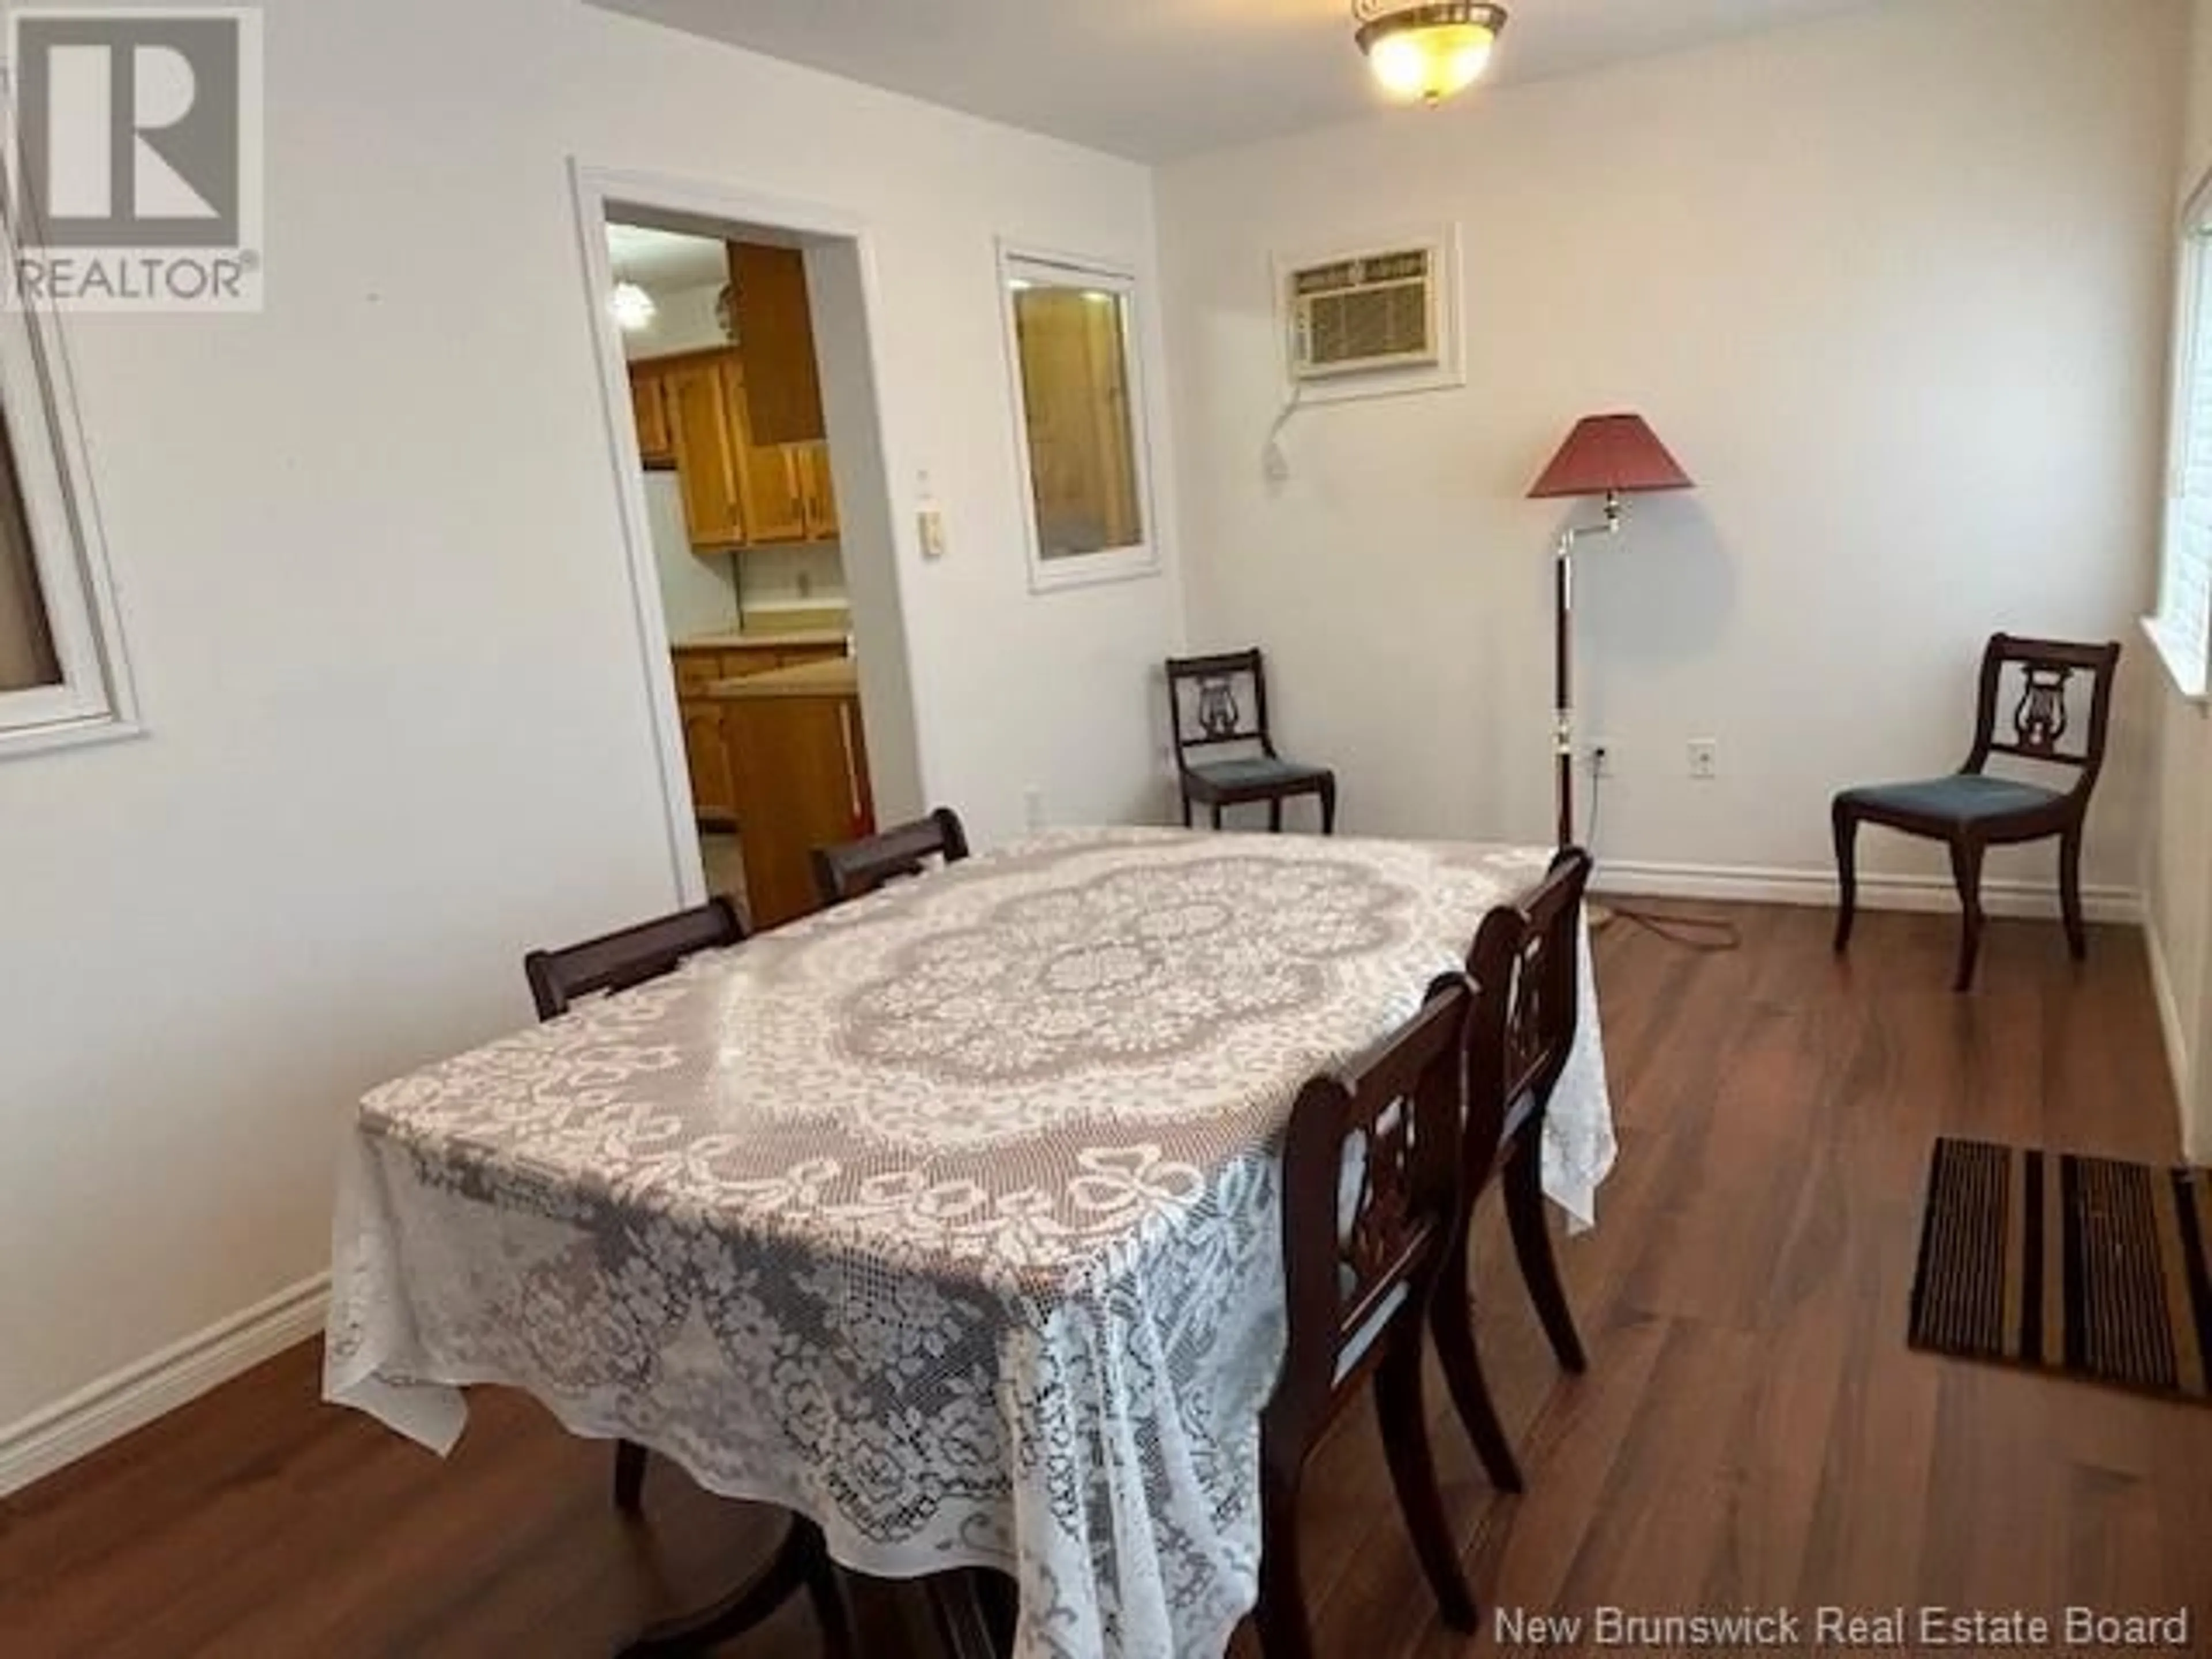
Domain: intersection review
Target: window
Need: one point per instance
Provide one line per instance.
(62, 677)
(2182, 630)
(1071, 329)
(28, 662)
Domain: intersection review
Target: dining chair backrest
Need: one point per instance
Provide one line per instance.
(860, 867)
(1370, 1185)
(617, 961)
(1216, 700)
(2041, 719)
(1526, 970)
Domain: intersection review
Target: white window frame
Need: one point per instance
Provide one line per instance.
(95, 699)
(1110, 564)
(2184, 641)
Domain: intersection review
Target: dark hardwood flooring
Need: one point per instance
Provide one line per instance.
(1752, 1431)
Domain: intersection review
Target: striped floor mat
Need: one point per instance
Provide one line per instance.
(2082, 1265)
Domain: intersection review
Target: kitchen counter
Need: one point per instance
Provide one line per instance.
(798, 639)
(835, 676)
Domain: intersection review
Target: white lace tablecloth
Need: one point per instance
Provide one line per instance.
(948, 1218)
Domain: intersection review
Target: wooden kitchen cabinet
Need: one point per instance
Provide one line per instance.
(648, 402)
(700, 408)
(800, 763)
(706, 757)
(775, 500)
(692, 412)
(709, 755)
(817, 490)
(791, 656)
(697, 668)
(783, 387)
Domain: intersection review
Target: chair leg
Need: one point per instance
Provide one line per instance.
(1451, 1325)
(1539, 1270)
(1185, 810)
(1405, 1424)
(1966, 873)
(1328, 807)
(828, 1596)
(1275, 815)
(1285, 1631)
(2069, 891)
(963, 1624)
(629, 1477)
(1847, 874)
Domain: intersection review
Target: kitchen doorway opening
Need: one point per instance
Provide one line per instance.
(738, 373)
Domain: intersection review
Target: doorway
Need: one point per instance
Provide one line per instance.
(745, 431)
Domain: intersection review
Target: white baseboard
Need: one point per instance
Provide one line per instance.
(1752, 885)
(2196, 1145)
(129, 1398)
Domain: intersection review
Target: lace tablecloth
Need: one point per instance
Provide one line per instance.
(948, 1218)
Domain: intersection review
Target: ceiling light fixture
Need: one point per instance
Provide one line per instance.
(1427, 49)
(632, 305)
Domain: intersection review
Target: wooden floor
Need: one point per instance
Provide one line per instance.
(1753, 1431)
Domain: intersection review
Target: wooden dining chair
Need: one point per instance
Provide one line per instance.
(1974, 810)
(617, 961)
(1526, 968)
(1369, 1177)
(1206, 715)
(861, 866)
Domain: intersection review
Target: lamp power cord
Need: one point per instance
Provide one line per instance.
(1707, 935)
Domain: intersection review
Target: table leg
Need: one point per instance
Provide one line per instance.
(801, 1563)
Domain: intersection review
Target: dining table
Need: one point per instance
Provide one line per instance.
(947, 1219)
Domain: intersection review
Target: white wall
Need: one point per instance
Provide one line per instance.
(804, 576)
(1893, 287)
(2178, 861)
(369, 556)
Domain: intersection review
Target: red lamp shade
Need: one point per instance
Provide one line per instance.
(1610, 454)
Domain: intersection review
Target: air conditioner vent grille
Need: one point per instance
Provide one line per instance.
(1375, 311)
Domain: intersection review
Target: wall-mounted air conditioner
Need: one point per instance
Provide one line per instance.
(1378, 319)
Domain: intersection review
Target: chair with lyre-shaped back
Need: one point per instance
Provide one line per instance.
(1225, 749)
(861, 866)
(1370, 1183)
(1527, 966)
(618, 962)
(1973, 810)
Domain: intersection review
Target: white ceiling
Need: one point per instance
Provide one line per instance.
(1157, 79)
(661, 259)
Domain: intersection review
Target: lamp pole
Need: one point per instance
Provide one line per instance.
(1563, 647)
(1613, 455)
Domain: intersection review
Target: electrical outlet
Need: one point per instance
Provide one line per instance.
(1601, 759)
(1705, 759)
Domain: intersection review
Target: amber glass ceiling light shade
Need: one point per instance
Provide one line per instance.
(1427, 49)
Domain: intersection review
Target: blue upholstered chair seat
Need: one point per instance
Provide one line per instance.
(1256, 771)
(1963, 797)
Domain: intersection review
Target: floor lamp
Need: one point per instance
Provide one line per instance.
(1611, 456)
